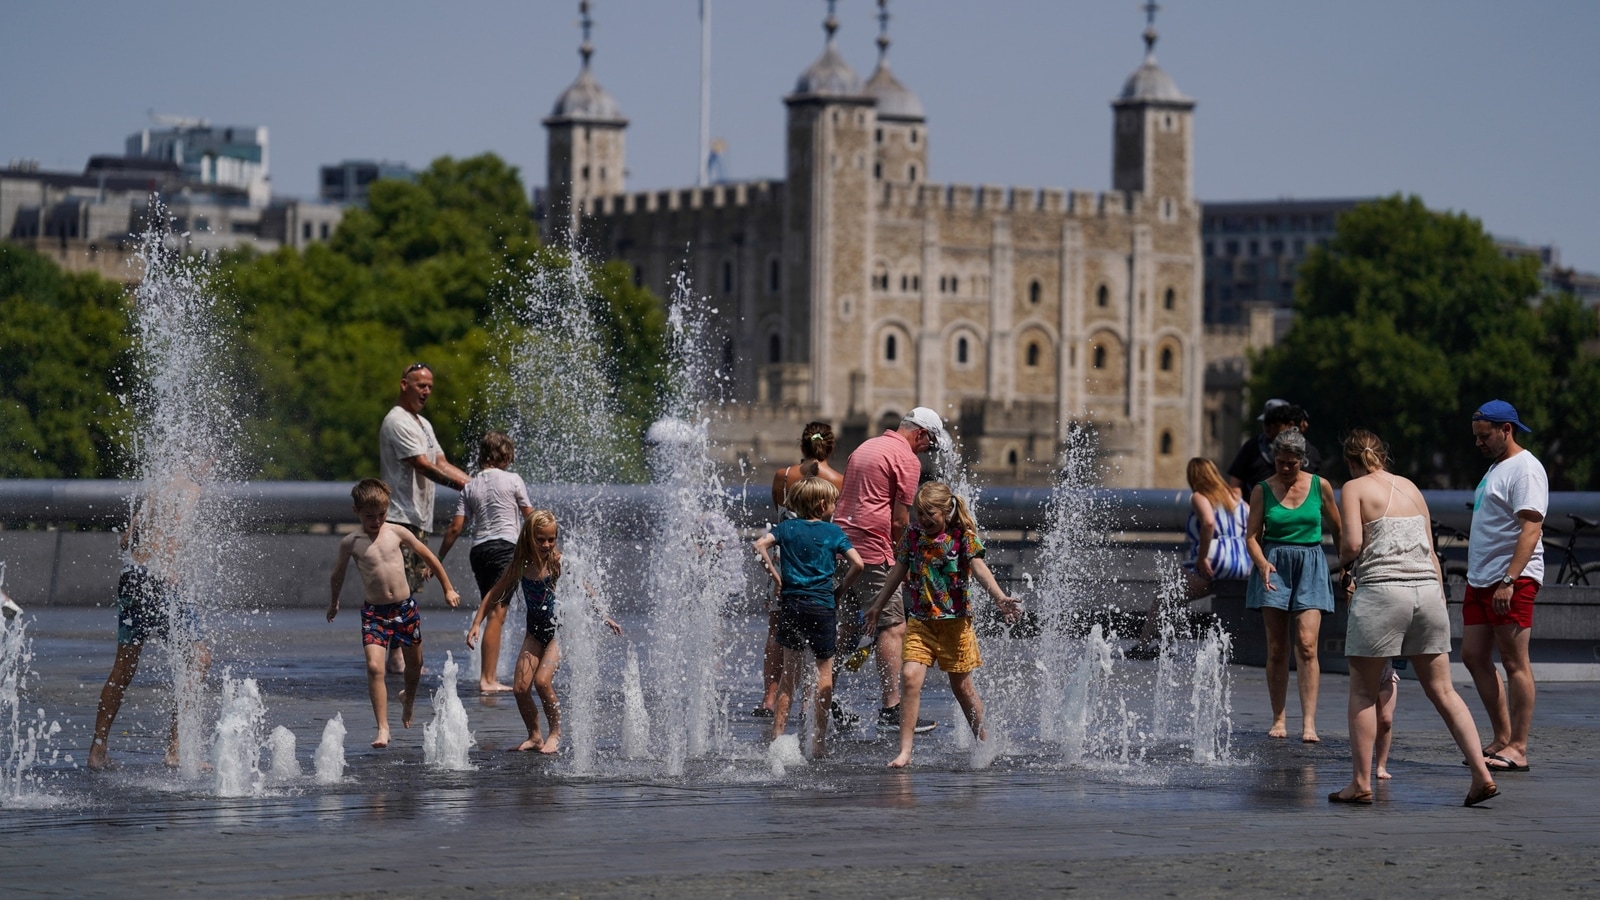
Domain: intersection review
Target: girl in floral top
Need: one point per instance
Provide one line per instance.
(937, 559)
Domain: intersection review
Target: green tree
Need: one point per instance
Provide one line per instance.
(63, 355)
(414, 277)
(1407, 321)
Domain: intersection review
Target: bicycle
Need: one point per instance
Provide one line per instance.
(1453, 570)
(1573, 571)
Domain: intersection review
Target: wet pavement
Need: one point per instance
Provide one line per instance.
(1029, 823)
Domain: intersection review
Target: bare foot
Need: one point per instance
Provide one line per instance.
(382, 740)
(493, 687)
(99, 761)
(901, 761)
(1278, 730)
(552, 742)
(983, 733)
(407, 701)
(531, 743)
(1383, 774)
(1309, 736)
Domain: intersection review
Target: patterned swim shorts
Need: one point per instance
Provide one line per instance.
(391, 624)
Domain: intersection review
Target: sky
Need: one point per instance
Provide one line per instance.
(1483, 107)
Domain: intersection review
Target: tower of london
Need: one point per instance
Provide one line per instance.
(858, 287)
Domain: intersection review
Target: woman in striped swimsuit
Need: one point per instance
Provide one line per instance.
(1218, 520)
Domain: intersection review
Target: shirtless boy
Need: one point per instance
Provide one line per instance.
(389, 614)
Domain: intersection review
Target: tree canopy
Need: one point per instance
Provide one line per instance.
(1408, 320)
(419, 275)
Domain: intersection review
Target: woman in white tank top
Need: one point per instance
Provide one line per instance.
(1397, 609)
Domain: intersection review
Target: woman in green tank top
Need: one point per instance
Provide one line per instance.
(1290, 583)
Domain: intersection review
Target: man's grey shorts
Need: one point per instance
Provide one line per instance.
(865, 590)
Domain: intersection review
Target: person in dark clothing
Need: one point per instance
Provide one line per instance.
(1253, 463)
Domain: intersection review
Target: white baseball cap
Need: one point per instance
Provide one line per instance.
(928, 421)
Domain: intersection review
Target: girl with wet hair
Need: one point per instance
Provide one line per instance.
(1397, 608)
(535, 567)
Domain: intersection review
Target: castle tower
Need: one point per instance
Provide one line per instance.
(827, 224)
(1153, 142)
(586, 155)
(900, 141)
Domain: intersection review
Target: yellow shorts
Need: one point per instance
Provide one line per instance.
(950, 642)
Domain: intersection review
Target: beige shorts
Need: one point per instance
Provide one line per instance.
(1397, 619)
(865, 590)
(417, 570)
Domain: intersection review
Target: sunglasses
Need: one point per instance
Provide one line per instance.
(414, 367)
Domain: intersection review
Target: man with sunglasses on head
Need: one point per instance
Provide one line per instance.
(1505, 567)
(411, 461)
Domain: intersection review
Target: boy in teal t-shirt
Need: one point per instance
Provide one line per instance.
(809, 548)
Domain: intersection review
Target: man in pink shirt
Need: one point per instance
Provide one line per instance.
(880, 483)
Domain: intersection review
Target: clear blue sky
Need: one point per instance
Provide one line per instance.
(1484, 107)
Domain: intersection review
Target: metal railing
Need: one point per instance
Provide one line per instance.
(105, 502)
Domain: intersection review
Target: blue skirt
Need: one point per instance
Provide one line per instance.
(1301, 580)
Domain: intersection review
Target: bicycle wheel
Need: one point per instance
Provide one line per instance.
(1586, 574)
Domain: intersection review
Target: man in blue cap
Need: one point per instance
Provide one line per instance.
(1505, 567)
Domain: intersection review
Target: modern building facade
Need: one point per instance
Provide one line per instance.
(224, 156)
(856, 288)
(347, 182)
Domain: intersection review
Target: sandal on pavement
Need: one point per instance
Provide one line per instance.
(1489, 790)
(1362, 799)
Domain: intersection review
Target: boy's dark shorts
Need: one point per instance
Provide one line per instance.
(800, 625)
(490, 560)
(392, 624)
(145, 604)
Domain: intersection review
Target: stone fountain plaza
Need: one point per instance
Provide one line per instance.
(1026, 823)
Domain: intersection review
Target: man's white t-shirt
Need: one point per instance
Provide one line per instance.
(403, 436)
(1507, 488)
(492, 504)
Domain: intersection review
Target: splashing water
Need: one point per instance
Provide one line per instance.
(284, 765)
(635, 717)
(26, 738)
(1213, 709)
(236, 755)
(691, 576)
(1173, 664)
(1085, 688)
(446, 739)
(783, 752)
(557, 400)
(183, 441)
(329, 758)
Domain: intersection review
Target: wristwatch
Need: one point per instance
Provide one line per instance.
(1508, 581)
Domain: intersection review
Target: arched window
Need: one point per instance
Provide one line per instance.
(913, 135)
(905, 283)
(1166, 443)
(916, 282)
(727, 277)
(774, 271)
(1035, 292)
(961, 350)
(1011, 457)
(1102, 297)
(1099, 357)
(1170, 301)
(1033, 355)
(1166, 359)
(911, 173)
(877, 170)
(774, 349)
(953, 285)
(890, 348)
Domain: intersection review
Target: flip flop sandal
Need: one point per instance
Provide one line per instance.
(1509, 766)
(1489, 790)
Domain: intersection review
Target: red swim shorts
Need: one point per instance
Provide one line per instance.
(1477, 608)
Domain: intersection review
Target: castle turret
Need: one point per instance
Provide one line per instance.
(586, 155)
(827, 217)
(1153, 143)
(900, 152)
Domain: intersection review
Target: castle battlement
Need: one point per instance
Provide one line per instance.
(993, 198)
(718, 196)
